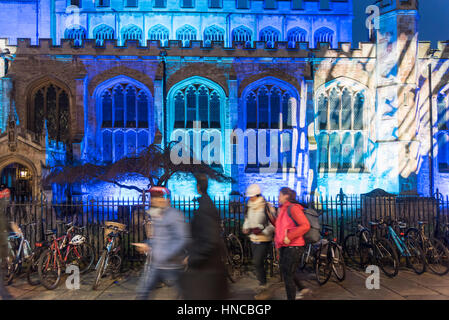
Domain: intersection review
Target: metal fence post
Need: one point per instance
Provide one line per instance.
(438, 196)
(341, 197)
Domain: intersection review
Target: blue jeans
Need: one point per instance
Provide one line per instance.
(154, 276)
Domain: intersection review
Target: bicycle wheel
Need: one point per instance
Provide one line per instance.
(366, 251)
(83, 256)
(338, 262)
(323, 269)
(437, 256)
(351, 249)
(100, 269)
(49, 269)
(235, 250)
(386, 257)
(9, 268)
(416, 260)
(32, 270)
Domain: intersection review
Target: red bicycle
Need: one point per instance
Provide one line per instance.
(63, 251)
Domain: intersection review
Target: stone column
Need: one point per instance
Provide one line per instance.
(233, 123)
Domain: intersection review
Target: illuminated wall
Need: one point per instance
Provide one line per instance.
(356, 119)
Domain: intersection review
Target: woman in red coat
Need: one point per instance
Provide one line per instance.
(290, 229)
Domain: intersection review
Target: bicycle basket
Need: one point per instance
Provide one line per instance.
(120, 226)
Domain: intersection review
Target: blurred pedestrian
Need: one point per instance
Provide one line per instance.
(258, 216)
(291, 224)
(4, 200)
(205, 278)
(168, 240)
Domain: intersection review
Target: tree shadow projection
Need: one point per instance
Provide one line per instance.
(153, 163)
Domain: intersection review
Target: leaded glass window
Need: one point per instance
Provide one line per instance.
(132, 32)
(270, 35)
(159, 32)
(51, 103)
(443, 113)
(103, 32)
(324, 35)
(269, 106)
(186, 34)
(197, 102)
(242, 34)
(296, 35)
(76, 33)
(213, 33)
(340, 117)
(125, 120)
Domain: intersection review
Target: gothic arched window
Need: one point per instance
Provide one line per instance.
(197, 103)
(76, 33)
(340, 116)
(270, 106)
(324, 35)
(125, 120)
(270, 35)
(443, 152)
(267, 107)
(50, 103)
(186, 33)
(242, 34)
(443, 113)
(296, 35)
(213, 33)
(159, 32)
(103, 32)
(132, 32)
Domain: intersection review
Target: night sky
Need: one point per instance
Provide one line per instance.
(433, 24)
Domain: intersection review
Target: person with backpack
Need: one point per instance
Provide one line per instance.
(291, 225)
(258, 225)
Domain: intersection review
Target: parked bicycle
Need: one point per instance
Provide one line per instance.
(19, 251)
(325, 257)
(233, 250)
(407, 247)
(436, 254)
(63, 251)
(366, 247)
(110, 260)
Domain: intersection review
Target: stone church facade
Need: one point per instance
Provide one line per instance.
(103, 78)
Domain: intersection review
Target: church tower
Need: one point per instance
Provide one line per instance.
(397, 49)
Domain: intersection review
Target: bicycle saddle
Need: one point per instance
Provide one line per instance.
(422, 222)
(373, 223)
(402, 225)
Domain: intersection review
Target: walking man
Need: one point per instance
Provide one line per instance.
(168, 242)
(258, 216)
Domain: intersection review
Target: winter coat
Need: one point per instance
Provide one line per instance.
(257, 218)
(169, 240)
(286, 226)
(206, 275)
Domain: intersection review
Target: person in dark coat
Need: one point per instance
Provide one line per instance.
(205, 278)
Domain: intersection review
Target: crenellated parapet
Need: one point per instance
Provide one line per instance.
(425, 51)
(195, 49)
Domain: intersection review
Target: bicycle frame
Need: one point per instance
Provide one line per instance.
(398, 242)
(109, 248)
(23, 242)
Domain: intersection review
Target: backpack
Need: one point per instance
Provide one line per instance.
(313, 235)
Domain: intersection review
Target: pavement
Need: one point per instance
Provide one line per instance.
(405, 286)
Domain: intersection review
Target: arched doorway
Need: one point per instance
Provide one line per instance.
(18, 178)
